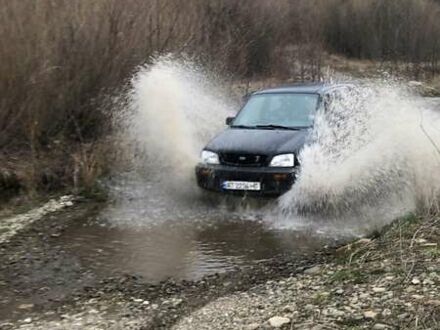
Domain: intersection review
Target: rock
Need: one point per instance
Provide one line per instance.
(252, 326)
(313, 270)
(415, 281)
(278, 321)
(289, 309)
(316, 327)
(334, 312)
(380, 326)
(378, 290)
(410, 289)
(27, 320)
(402, 316)
(414, 83)
(349, 309)
(386, 312)
(26, 306)
(309, 307)
(433, 302)
(370, 314)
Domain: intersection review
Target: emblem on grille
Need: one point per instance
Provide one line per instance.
(242, 157)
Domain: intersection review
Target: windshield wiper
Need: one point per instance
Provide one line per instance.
(243, 126)
(269, 126)
(272, 126)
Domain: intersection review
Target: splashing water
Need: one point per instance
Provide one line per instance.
(177, 108)
(373, 155)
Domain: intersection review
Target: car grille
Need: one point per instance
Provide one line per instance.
(234, 159)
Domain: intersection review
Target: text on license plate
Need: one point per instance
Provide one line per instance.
(241, 185)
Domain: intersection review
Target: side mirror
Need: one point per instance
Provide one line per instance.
(246, 97)
(229, 120)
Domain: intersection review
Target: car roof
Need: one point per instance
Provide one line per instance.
(312, 88)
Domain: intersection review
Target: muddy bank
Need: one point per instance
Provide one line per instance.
(9, 226)
(389, 282)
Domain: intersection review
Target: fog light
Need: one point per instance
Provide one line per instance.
(280, 177)
(205, 172)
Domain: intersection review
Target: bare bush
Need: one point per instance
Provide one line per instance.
(395, 30)
(60, 57)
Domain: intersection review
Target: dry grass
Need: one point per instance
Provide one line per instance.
(407, 253)
(435, 83)
(401, 244)
(61, 59)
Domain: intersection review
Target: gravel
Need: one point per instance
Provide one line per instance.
(12, 225)
(387, 283)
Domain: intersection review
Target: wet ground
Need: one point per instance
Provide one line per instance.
(74, 251)
(183, 249)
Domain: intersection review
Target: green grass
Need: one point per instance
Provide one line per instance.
(432, 251)
(321, 298)
(348, 275)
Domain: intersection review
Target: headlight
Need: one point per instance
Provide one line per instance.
(209, 157)
(285, 160)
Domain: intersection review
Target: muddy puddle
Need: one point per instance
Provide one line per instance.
(184, 248)
(149, 237)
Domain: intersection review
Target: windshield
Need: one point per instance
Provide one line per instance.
(278, 110)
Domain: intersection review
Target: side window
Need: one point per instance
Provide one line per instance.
(335, 96)
(338, 96)
(326, 101)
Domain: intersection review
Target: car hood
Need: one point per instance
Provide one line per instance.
(258, 141)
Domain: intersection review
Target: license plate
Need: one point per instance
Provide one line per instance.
(241, 185)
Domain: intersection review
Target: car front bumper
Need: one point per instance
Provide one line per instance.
(273, 181)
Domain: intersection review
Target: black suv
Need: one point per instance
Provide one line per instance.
(257, 154)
